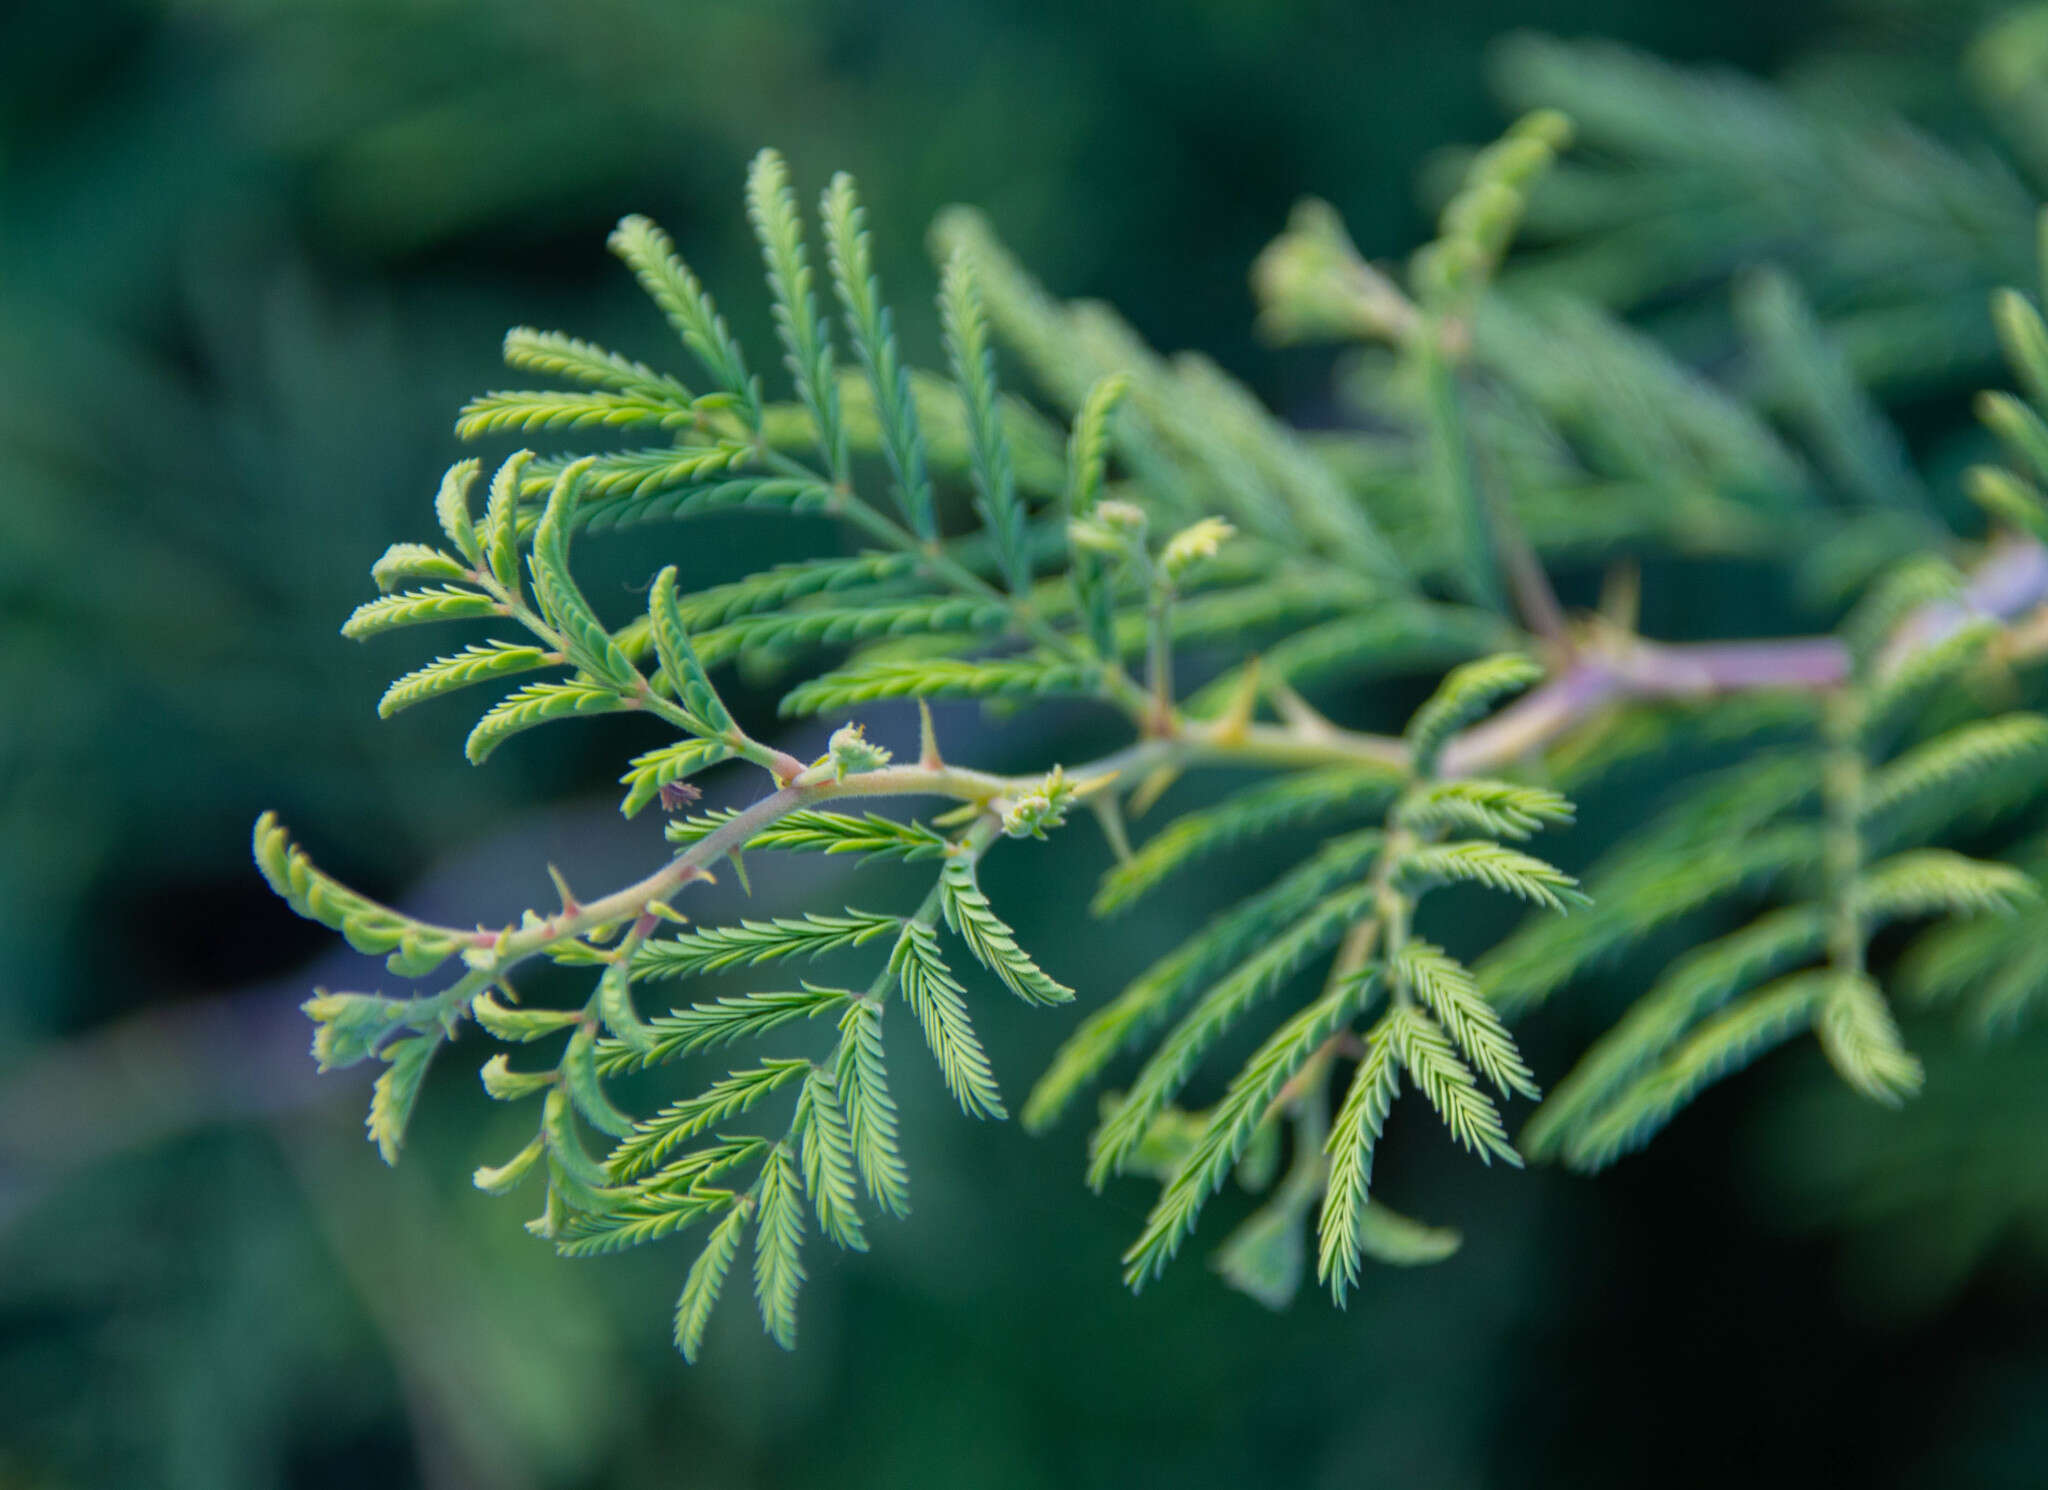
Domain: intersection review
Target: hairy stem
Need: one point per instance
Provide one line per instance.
(2013, 579)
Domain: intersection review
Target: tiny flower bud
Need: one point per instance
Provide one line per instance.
(348, 1027)
(1121, 516)
(852, 753)
(1030, 814)
(1192, 544)
(1114, 527)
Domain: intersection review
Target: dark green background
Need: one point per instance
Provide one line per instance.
(252, 255)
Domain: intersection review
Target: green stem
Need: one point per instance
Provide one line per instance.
(1393, 908)
(1307, 1090)
(1159, 654)
(496, 952)
(974, 842)
(776, 763)
(1494, 543)
(1451, 453)
(878, 524)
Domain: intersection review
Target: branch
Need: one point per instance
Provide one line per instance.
(694, 863)
(2012, 580)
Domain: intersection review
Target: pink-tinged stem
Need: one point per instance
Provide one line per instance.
(2012, 580)
(1644, 670)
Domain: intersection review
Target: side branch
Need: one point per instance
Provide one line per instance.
(2012, 580)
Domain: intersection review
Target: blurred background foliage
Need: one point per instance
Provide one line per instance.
(253, 254)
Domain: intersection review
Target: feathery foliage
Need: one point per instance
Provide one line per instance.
(1174, 526)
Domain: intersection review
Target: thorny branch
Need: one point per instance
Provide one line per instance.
(1606, 670)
